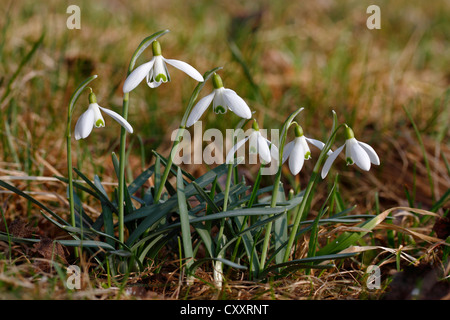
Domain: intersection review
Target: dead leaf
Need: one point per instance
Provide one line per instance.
(20, 229)
(421, 282)
(50, 251)
(442, 228)
(415, 234)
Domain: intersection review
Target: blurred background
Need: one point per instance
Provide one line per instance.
(277, 55)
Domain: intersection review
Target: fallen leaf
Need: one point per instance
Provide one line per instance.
(442, 228)
(20, 229)
(50, 251)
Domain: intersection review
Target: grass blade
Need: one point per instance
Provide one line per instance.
(424, 153)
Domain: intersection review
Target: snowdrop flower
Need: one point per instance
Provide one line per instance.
(356, 152)
(93, 118)
(266, 149)
(298, 150)
(156, 71)
(222, 99)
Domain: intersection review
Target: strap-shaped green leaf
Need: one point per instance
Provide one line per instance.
(306, 263)
(99, 192)
(30, 198)
(141, 179)
(155, 212)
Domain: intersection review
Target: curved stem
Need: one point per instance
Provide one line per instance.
(312, 181)
(273, 203)
(289, 121)
(182, 127)
(72, 102)
(227, 187)
(122, 157)
(169, 164)
(249, 205)
(122, 168)
(218, 266)
(70, 173)
(225, 205)
(300, 212)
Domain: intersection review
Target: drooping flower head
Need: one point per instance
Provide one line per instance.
(156, 71)
(298, 150)
(92, 117)
(356, 152)
(258, 145)
(222, 99)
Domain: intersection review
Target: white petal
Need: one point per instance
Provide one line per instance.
(305, 147)
(99, 122)
(137, 76)
(330, 160)
(359, 156)
(237, 104)
(274, 152)
(124, 123)
(229, 158)
(84, 124)
(263, 149)
(370, 152)
(253, 144)
(159, 70)
(297, 158)
(153, 84)
(219, 101)
(199, 109)
(318, 144)
(287, 150)
(186, 68)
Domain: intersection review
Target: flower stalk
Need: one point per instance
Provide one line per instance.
(276, 185)
(125, 104)
(268, 231)
(123, 141)
(308, 191)
(71, 108)
(180, 131)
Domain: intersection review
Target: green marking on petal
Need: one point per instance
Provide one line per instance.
(161, 77)
(220, 109)
(99, 123)
(253, 150)
(349, 161)
(307, 155)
